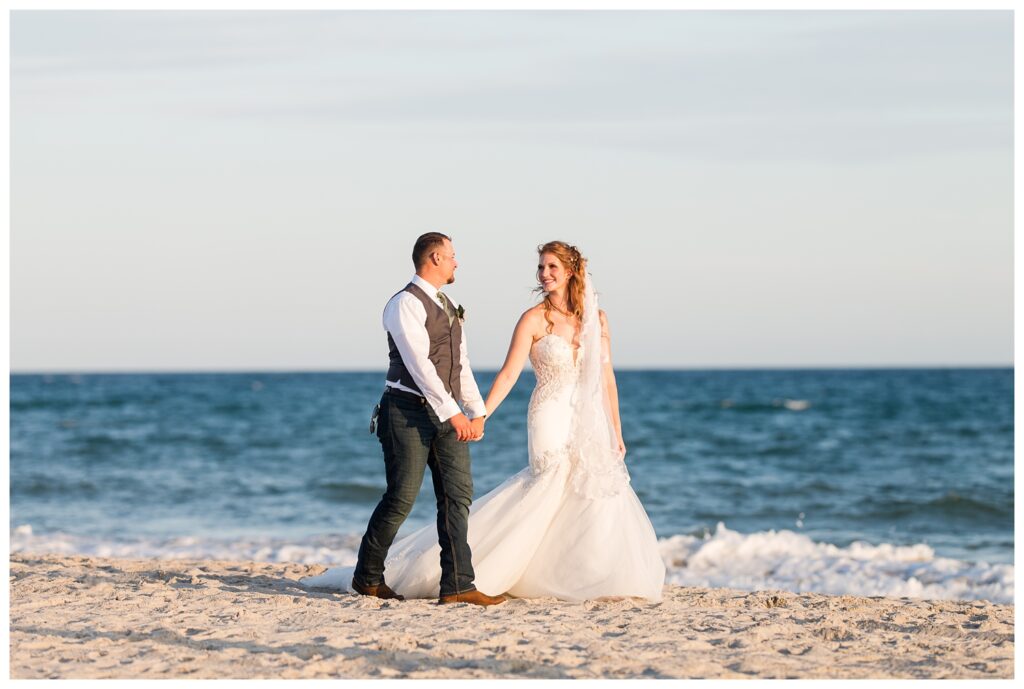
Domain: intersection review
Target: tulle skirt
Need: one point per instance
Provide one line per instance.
(534, 536)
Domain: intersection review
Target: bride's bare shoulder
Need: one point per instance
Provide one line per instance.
(534, 312)
(533, 320)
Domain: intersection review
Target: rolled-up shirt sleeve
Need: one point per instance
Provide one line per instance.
(405, 319)
(472, 400)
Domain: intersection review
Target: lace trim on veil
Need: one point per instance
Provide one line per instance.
(599, 470)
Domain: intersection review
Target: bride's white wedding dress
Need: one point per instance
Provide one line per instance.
(568, 525)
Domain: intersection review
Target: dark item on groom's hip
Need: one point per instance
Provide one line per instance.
(373, 419)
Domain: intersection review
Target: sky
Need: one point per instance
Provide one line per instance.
(237, 190)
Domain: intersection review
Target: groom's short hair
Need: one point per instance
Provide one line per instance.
(426, 245)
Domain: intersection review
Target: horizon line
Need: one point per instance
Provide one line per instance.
(734, 367)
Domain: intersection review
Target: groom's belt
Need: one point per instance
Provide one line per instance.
(411, 396)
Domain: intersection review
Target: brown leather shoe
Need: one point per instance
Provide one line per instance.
(475, 597)
(380, 591)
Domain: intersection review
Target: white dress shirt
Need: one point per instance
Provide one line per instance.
(405, 319)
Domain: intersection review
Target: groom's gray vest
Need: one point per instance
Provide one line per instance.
(445, 345)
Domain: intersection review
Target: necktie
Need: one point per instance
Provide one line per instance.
(447, 307)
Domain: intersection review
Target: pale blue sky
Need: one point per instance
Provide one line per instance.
(241, 190)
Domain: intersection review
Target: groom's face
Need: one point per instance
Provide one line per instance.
(446, 262)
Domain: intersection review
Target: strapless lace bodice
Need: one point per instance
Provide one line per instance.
(550, 421)
(553, 365)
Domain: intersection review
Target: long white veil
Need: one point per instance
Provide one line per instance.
(600, 470)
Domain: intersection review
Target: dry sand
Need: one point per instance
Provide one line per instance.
(90, 617)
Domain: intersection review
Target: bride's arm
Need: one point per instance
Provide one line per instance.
(609, 379)
(518, 350)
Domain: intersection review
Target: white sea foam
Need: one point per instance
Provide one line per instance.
(328, 550)
(764, 560)
(793, 562)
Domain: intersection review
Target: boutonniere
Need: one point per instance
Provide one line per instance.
(461, 313)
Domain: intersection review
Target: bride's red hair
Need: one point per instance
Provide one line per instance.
(572, 260)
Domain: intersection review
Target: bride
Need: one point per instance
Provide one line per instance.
(568, 525)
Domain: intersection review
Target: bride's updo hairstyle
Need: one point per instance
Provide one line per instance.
(572, 260)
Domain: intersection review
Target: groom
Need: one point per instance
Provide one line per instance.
(420, 424)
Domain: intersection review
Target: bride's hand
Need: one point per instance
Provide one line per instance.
(477, 428)
(622, 448)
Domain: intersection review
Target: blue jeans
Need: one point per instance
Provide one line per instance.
(413, 438)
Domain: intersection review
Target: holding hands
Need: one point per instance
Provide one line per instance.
(467, 430)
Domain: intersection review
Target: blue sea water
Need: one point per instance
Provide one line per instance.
(864, 481)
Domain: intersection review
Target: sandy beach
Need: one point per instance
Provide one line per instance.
(92, 617)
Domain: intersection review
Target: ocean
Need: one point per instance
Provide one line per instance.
(891, 482)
